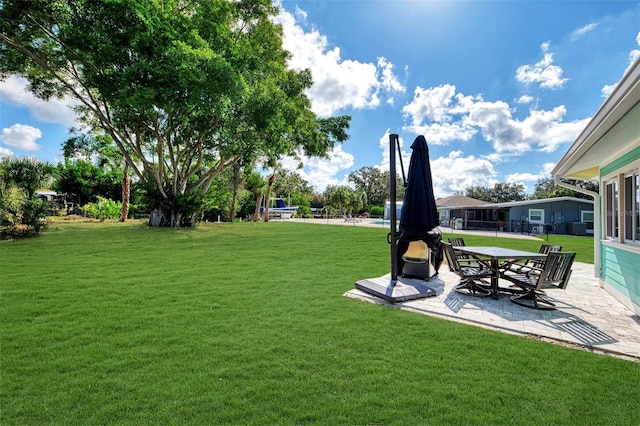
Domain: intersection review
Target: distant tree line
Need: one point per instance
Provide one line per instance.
(544, 188)
(94, 182)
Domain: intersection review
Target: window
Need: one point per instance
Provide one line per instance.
(611, 209)
(637, 214)
(587, 217)
(631, 207)
(536, 215)
(621, 203)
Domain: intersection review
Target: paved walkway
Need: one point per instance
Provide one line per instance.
(587, 315)
(379, 223)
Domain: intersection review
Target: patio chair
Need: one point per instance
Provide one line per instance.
(533, 266)
(459, 242)
(555, 273)
(468, 272)
(464, 258)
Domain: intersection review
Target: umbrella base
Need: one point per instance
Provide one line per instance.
(404, 288)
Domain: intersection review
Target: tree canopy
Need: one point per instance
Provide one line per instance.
(184, 89)
(375, 184)
(500, 193)
(547, 188)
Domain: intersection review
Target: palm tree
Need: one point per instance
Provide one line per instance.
(255, 184)
(356, 201)
(21, 212)
(27, 173)
(338, 196)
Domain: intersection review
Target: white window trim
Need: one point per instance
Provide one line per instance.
(541, 211)
(618, 176)
(582, 213)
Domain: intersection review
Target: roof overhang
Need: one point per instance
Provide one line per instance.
(611, 132)
(518, 203)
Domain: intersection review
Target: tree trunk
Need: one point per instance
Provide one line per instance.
(234, 198)
(126, 195)
(272, 179)
(256, 214)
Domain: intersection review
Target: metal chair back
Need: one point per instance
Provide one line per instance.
(456, 242)
(451, 258)
(459, 242)
(556, 271)
(468, 272)
(544, 249)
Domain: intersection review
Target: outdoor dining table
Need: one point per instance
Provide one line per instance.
(492, 257)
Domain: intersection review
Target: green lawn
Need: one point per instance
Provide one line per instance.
(246, 324)
(583, 246)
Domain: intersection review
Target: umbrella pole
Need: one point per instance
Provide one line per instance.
(392, 202)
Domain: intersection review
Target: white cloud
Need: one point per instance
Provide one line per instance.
(443, 116)
(338, 83)
(389, 82)
(548, 131)
(321, 172)
(300, 14)
(583, 30)
(456, 173)
(525, 99)
(4, 152)
(549, 76)
(452, 174)
(433, 113)
(384, 143)
(21, 136)
(523, 178)
(14, 90)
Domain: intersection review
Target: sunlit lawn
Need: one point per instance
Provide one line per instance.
(247, 324)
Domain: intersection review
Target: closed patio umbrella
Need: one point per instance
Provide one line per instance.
(419, 216)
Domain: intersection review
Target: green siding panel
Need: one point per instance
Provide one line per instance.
(621, 270)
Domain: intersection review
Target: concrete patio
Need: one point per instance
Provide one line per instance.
(587, 317)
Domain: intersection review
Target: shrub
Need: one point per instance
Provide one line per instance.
(103, 209)
(376, 211)
(21, 217)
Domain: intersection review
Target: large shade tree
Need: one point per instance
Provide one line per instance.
(376, 184)
(184, 89)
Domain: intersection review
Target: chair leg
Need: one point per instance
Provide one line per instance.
(535, 300)
(469, 287)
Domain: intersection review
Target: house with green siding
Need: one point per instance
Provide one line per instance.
(608, 151)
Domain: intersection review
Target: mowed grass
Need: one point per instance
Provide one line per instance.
(582, 246)
(247, 324)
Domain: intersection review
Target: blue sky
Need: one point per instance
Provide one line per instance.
(500, 89)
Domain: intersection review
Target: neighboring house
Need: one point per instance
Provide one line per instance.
(608, 151)
(57, 200)
(46, 194)
(457, 207)
(561, 215)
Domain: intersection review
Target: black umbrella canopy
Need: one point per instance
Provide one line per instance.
(419, 214)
